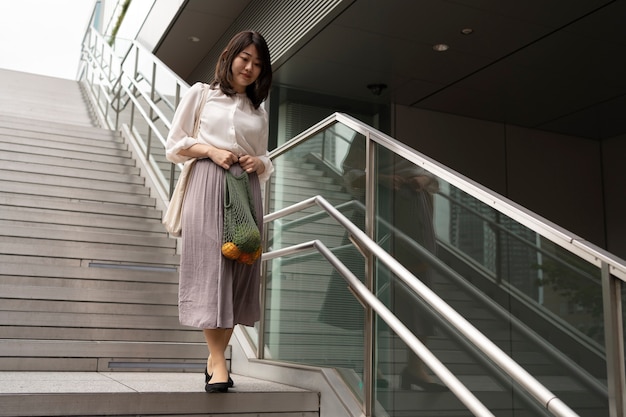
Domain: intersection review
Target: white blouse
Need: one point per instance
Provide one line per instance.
(230, 123)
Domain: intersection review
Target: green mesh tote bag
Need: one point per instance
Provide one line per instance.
(241, 238)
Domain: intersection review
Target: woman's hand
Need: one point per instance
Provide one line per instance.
(222, 157)
(251, 164)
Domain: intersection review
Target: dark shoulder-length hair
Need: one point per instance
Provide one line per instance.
(258, 91)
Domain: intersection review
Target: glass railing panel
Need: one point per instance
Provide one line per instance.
(571, 289)
(405, 386)
(311, 317)
(496, 273)
(310, 169)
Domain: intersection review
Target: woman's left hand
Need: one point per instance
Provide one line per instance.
(251, 164)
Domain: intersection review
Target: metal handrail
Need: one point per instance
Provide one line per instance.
(613, 269)
(550, 401)
(366, 297)
(574, 368)
(129, 84)
(556, 234)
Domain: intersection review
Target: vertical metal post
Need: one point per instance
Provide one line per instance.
(151, 114)
(260, 348)
(134, 91)
(499, 258)
(614, 342)
(109, 75)
(368, 331)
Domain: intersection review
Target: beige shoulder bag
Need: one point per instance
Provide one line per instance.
(173, 216)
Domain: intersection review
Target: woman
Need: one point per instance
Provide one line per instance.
(216, 293)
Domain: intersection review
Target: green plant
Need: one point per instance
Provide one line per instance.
(119, 21)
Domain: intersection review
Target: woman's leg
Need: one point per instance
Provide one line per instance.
(217, 342)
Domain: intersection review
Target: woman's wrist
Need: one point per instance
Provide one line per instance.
(261, 167)
(209, 151)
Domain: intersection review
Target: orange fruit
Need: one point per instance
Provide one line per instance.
(245, 258)
(230, 250)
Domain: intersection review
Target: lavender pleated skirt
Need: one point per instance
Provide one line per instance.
(214, 292)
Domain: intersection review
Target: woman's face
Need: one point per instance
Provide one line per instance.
(246, 68)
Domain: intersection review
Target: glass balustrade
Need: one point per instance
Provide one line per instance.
(311, 316)
(536, 301)
(454, 243)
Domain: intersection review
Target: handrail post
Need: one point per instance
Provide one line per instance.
(134, 90)
(614, 342)
(260, 346)
(370, 319)
(152, 88)
(118, 97)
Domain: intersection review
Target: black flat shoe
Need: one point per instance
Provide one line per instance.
(217, 387)
(207, 378)
(407, 379)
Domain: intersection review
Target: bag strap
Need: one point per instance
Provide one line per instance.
(196, 121)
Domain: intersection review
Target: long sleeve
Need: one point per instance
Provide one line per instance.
(180, 134)
(227, 122)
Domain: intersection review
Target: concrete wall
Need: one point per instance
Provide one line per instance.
(614, 171)
(576, 183)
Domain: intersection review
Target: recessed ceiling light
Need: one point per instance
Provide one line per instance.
(194, 39)
(441, 47)
(467, 31)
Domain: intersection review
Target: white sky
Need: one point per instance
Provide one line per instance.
(43, 36)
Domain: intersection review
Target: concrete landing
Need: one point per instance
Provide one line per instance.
(147, 394)
(111, 382)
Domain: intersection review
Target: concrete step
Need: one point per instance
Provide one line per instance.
(88, 251)
(87, 234)
(39, 266)
(94, 177)
(73, 220)
(57, 126)
(147, 394)
(64, 205)
(62, 135)
(59, 179)
(39, 147)
(124, 167)
(45, 98)
(33, 189)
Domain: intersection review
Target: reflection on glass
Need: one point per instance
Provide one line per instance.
(311, 315)
(535, 301)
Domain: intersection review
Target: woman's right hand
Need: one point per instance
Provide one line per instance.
(222, 157)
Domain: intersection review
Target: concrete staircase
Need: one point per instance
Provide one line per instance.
(88, 276)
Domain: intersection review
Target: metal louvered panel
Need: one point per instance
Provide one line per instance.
(285, 24)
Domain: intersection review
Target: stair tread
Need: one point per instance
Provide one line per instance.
(25, 188)
(100, 382)
(79, 250)
(148, 393)
(64, 205)
(52, 161)
(48, 268)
